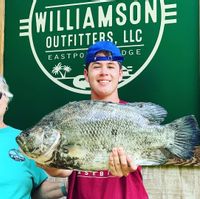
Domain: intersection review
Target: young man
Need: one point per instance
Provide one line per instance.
(103, 71)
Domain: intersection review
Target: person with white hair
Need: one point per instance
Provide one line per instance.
(20, 178)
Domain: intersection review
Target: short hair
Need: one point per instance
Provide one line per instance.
(4, 88)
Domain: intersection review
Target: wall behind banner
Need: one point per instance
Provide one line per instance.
(170, 76)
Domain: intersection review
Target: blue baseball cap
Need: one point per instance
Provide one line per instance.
(103, 46)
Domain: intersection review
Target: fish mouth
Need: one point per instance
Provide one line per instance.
(21, 143)
(25, 148)
(19, 140)
(39, 147)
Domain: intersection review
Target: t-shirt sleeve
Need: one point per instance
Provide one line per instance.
(38, 174)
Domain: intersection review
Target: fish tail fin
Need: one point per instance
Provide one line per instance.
(187, 136)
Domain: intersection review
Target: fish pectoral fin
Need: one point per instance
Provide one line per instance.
(153, 112)
(154, 158)
(149, 162)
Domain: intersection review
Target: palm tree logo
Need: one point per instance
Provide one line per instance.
(61, 71)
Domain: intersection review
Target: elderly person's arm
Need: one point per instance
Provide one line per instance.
(50, 190)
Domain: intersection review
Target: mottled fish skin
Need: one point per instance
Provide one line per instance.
(81, 135)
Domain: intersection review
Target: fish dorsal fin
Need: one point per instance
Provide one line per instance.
(153, 112)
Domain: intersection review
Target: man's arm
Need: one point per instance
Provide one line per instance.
(54, 172)
(50, 190)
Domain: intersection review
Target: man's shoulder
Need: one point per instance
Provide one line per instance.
(123, 102)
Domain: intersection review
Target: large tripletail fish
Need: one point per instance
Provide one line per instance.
(81, 135)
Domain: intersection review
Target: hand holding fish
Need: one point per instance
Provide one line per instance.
(120, 164)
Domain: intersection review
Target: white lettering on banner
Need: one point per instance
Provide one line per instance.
(131, 36)
(60, 41)
(131, 52)
(63, 56)
(59, 35)
(122, 19)
(104, 19)
(77, 39)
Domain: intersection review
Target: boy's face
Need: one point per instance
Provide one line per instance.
(103, 77)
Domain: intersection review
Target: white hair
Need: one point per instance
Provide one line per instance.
(4, 88)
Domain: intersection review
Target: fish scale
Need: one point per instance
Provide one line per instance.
(81, 135)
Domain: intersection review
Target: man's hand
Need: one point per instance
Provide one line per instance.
(120, 164)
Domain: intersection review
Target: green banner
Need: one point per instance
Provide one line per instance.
(45, 44)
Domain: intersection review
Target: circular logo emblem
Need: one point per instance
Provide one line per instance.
(60, 33)
(16, 155)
